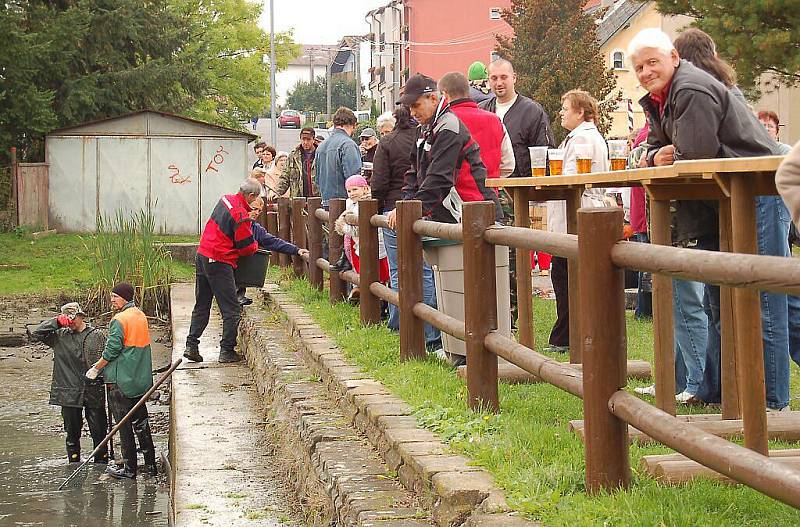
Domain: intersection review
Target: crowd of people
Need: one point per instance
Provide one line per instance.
(439, 146)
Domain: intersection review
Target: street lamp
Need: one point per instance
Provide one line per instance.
(273, 123)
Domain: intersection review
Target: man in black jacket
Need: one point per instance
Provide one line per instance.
(694, 116)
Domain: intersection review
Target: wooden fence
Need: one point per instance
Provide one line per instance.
(601, 255)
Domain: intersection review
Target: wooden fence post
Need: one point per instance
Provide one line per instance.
(409, 277)
(314, 243)
(272, 228)
(369, 304)
(337, 285)
(663, 336)
(574, 283)
(602, 310)
(480, 305)
(284, 228)
(522, 218)
(298, 234)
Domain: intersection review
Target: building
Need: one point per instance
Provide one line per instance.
(624, 19)
(173, 166)
(310, 64)
(418, 36)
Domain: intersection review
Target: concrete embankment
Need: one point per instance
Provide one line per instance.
(330, 412)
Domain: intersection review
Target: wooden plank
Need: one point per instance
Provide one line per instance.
(680, 472)
(617, 178)
(728, 165)
(684, 191)
(573, 285)
(784, 426)
(649, 462)
(524, 283)
(511, 374)
(730, 389)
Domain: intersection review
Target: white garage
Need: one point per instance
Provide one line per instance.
(174, 166)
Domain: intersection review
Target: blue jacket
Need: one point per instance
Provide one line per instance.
(272, 243)
(336, 159)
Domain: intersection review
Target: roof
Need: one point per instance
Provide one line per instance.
(617, 18)
(152, 123)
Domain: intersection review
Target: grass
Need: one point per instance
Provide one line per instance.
(528, 447)
(56, 264)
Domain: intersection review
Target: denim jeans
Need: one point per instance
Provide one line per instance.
(794, 328)
(644, 296)
(691, 334)
(772, 220)
(432, 335)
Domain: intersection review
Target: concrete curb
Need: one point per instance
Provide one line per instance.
(339, 478)
(454, 491)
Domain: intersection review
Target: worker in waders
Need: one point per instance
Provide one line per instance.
(69, 389)
(127, 365)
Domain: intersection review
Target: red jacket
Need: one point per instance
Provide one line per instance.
(486, 129)
(228, 234)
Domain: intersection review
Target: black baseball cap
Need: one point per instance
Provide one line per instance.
(417, 85)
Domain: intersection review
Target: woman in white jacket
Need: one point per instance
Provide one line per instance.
(579, 111)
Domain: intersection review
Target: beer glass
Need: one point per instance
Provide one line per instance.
(556, 156)
(618, 153)
(538, 160)
(583, 158)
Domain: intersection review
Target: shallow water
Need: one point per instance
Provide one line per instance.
(33, 464)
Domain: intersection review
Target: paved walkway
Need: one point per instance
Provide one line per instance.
(223, 474)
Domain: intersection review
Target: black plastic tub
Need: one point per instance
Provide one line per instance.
(252, 270)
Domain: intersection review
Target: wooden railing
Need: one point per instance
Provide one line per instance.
(602, 255)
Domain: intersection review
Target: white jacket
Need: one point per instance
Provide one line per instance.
(351, 207)
(585, 133)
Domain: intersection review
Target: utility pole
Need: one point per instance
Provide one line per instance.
(311, 65)
(357, 56)
(273, 122)
(328, 87)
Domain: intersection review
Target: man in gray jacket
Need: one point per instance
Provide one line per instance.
(337, 158)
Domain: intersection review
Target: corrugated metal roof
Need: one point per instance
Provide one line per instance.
(617, 18)
(152, 123)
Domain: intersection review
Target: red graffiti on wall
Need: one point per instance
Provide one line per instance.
(217, 159)
(176, 177)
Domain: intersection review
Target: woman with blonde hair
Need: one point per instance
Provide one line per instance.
(273, 176)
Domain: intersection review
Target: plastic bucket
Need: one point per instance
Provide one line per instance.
(252, 270)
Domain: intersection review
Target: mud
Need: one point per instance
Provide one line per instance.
(32, 457)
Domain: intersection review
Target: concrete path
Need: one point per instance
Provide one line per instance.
(223, 473)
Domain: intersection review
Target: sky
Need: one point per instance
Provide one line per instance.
(320, 21)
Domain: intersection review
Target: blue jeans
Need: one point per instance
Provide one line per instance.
(644, 296)
(794, 328)
(772, 221)
(432, 335)
(691, 335)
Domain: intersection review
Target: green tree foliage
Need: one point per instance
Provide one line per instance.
(311, 96)
(225, 39)
(69, 61)
(554, 49)
(756, 36)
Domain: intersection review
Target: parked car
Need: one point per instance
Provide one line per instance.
(289, 118)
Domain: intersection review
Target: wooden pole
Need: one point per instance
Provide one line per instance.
(522, 218)
(314, 243)
(14, 187)
(730, 390)
(575, 345)
(480, 307)
(747, 320)
(663, 345)
(272, 228)
(369, 304)
(337, 288)
(284, 228)
(409, 271)
(602, 310)
(298, 234)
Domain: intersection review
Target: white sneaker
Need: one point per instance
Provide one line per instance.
(646, 390)
(786, 408)
(686, 398)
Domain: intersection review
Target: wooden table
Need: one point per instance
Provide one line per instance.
(735, 183)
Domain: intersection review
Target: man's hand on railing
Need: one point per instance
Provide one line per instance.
(303, 253)
(391, 219)
(665, 156)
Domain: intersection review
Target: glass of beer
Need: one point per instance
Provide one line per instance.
(556, 157)
(583, 158)
(538, 160)
(618, 154)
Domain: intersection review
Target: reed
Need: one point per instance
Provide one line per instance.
(125, 250)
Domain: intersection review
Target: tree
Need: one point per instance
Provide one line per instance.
(554, 49)
(756, 36)
(311, 96)
(225, 40)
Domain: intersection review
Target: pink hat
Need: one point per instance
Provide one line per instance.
(355, 181)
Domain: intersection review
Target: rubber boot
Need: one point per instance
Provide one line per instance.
(126, 471)
(226, 357)
(192, 354)
(98, 425)
(73, 422)
(141, 428)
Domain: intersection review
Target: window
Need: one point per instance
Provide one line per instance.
(495, 13)
(618, 60)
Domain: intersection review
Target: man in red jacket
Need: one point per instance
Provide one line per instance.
(228, 234)
(486, 128)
